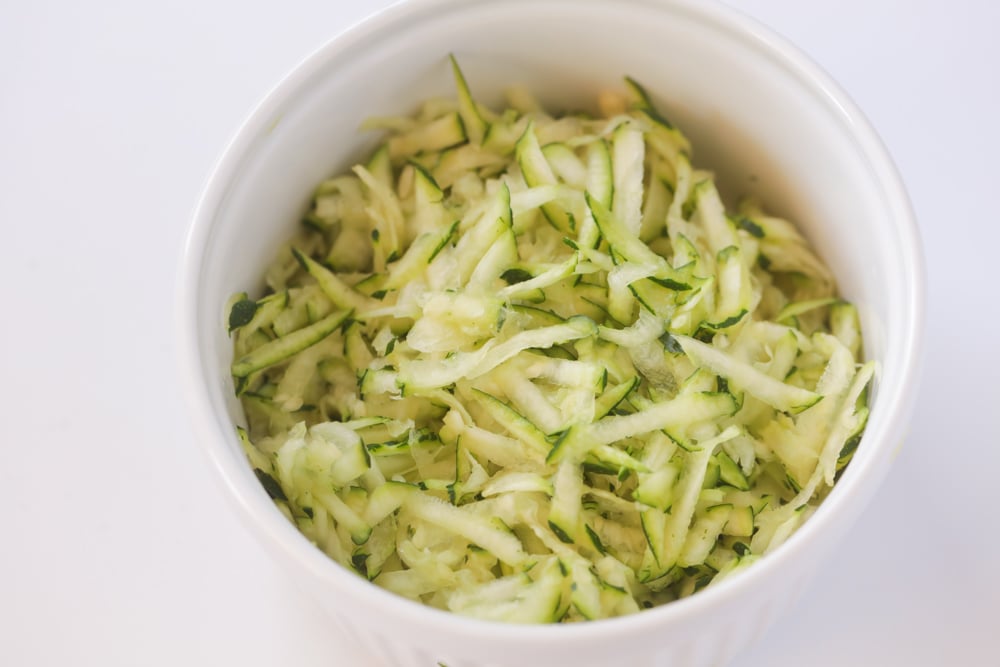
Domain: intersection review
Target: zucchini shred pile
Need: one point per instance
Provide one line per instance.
(527, 368)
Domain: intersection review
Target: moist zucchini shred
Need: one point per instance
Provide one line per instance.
(527, 368)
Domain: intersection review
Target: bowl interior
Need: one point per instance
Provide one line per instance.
(760, 121)
(751, 120)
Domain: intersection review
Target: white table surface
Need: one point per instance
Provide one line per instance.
(118, 548)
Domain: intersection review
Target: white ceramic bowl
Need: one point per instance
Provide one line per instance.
(758, 112)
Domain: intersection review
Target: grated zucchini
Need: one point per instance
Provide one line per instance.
(529, 369)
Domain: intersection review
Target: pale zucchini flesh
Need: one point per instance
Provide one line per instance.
(530, 369)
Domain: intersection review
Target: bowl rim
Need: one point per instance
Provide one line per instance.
(274, 530)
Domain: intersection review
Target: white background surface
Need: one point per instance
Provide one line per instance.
(118, 548)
